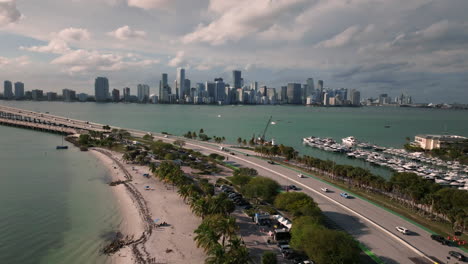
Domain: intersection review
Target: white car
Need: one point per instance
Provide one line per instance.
(300, 175)
(324, 189)
(402, 230)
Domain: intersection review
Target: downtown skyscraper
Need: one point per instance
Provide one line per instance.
(101, 89)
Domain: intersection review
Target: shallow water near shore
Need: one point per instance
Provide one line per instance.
(55, 205)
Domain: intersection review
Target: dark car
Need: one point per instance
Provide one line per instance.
(439, 239)
(293, 187)
(271, 162)
(458, 256)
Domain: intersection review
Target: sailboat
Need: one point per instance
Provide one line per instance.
(62, 146)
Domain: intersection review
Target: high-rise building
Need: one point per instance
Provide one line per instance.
(180, 83)
(210, 88)
(37, 95)
(254, 86)
(126, 94)
(355, 97)
(294, 93)
(19, 90)
(310, 86)
(187, 87)
(163, 88)
(115, 95)
(68, 95)
(51, 96)
(7, 90)
(82, 97)
(237, 79)
(220, 91)
(143, 93)
(284, 94)
(101, 89)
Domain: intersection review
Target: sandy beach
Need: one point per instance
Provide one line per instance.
(141, 209)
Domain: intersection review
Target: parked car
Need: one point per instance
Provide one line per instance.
(300, 175)
(402, 230)
(324, 189)
(345, 195)
(458, 256)
(293, 187)
(440, 239)
(271, 162)
(232, 153)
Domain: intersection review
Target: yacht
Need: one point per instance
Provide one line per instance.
(350, 141)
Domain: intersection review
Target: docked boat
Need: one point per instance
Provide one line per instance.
(349, 141)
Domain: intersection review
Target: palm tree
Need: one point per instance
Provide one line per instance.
(201, 131)
(200, 206)
(217, 255)
(239, 140)
(237, 252)
(206, 238)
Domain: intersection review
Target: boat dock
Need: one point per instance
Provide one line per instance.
(442, 172)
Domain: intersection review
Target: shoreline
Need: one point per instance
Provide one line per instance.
(141, 211)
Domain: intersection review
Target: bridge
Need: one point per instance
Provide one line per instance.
(11, 116)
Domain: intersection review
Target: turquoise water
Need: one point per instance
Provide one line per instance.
(292, 122)
(54, 205)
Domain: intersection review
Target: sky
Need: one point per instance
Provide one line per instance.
(416, 47)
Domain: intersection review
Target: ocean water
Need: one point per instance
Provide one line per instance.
(293, 123)
(54, 205)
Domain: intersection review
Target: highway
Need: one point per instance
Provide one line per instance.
(371, 225)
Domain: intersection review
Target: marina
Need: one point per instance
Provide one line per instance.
(449, 173)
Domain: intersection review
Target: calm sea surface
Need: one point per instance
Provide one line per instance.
(54, 205)
(55, 208)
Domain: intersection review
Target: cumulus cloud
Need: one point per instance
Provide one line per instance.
(340, 40)
(178, 60)
(18, 61)
(56, 46)
(125, 32)
(238, 19)
(8, 12)
(59, 42)
(80, 60)
(74, 34)
(150, 4)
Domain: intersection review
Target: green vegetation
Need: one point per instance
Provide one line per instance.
(299, 204)
(412, 148)
(269, 257)
(261, 188)
(456, 151)
(323, 245)
(106, 127)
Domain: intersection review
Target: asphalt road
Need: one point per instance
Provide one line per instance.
(371, 225)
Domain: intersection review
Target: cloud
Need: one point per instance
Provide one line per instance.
(18, 61)
(150, 4)
(341, 39)
(238, 19)
(8, 12)
(80, 60)
(56, 46)
(74, 34)
(59, 42)
(125, 32)
(179, 60)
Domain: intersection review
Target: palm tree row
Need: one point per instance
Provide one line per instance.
(217, 232)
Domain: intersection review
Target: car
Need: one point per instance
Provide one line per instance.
(300, 175)
(247, 155)
(439, 239)
(345, 195)
(232, 153)
(402, 230)
(458, 256)
(284, 247)
(324, 189)
(293, 187)
(271, 162)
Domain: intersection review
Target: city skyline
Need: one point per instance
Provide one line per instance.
(415, 53)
